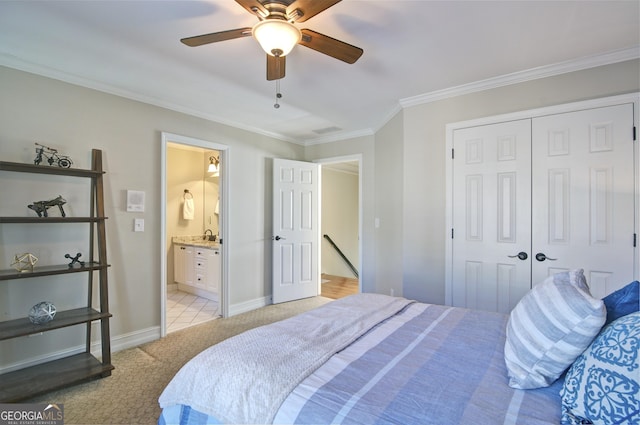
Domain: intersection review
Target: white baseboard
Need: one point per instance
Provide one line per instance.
(125, 341)
(130, 340)
(199, 292)
(118, 343)
(32, 361)
(249, 305)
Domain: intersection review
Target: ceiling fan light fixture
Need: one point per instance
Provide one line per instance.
(277, 37)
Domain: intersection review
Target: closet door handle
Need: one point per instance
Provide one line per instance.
(541, 257)
(279, 238)
(521, 255)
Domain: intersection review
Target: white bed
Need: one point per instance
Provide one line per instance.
(372, 358)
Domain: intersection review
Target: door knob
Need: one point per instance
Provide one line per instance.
(278, 238)
(521, 255)
(541, 257)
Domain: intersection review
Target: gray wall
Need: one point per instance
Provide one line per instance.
(404, 187)
(403, 172)
(75, 119)
(424, 158)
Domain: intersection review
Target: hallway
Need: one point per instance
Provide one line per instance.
(338, 287)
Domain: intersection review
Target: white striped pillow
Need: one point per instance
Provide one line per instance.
(551, 326)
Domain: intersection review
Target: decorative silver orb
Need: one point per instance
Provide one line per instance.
(42, 312)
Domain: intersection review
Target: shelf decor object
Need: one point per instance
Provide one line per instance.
(42, 312)
(77, 367)
(74, 260)
(24, 262)
(51, 156)
(41, 207)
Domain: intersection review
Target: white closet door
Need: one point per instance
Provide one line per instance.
(492, 215)
(583, 196)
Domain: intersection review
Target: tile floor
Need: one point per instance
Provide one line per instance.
(184, 310)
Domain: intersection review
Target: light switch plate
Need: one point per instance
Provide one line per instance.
(138, 225)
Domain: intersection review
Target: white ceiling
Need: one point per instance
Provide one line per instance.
(413, 50)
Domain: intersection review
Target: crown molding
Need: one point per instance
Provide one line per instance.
(13, 62)
(615, 56)
(340, 136)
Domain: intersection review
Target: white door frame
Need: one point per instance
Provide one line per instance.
(224, 219)
(348, 158)
(533, 113)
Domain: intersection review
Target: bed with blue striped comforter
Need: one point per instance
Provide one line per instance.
(427, 364)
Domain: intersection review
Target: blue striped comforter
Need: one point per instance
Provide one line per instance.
(427, 364)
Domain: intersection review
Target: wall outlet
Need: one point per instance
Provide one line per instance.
(392, 292)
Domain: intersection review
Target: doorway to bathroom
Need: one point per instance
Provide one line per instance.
(193, 284)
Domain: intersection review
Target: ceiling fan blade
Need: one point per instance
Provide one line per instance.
(275, 67)
(254, 6)
(308, 8)
(214, 37)
(330, 46)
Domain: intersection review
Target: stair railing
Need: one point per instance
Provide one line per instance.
(344, 257)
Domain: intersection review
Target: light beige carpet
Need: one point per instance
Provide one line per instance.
(130, 394)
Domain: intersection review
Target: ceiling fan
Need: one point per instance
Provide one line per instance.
(277, 33)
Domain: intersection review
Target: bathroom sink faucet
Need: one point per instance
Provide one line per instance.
(211, 237)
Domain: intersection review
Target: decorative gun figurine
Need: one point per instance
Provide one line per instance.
(41, 207)
(51, 155)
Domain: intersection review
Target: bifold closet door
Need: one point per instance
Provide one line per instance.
(491, 215)
(583, 196)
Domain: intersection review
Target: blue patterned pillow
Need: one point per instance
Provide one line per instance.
(602, 385)
(622, 302)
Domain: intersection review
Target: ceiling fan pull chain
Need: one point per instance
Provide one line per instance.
(278, 94)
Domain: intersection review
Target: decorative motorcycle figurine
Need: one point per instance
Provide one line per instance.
(51, 155)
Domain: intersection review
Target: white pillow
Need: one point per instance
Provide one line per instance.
(551, 326)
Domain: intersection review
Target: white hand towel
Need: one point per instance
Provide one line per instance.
(217, 210)
(188, 209)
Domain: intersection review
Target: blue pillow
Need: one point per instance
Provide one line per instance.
(602, 387)
(622, 302)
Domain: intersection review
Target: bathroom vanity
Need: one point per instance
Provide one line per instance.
(196, 266)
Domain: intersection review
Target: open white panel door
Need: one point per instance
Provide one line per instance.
(296, 230)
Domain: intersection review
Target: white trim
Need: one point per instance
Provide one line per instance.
(608, 58)
(224, 219)
(531, 113)
(129, 340)
(32, 361)
(615, 56)
(22, 65)
(342, 136)
(119, 343)
(250, 305)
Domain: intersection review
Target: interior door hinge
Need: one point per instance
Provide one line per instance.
(452, 155)
(634, 133)
(635, 239)
(452, 233)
